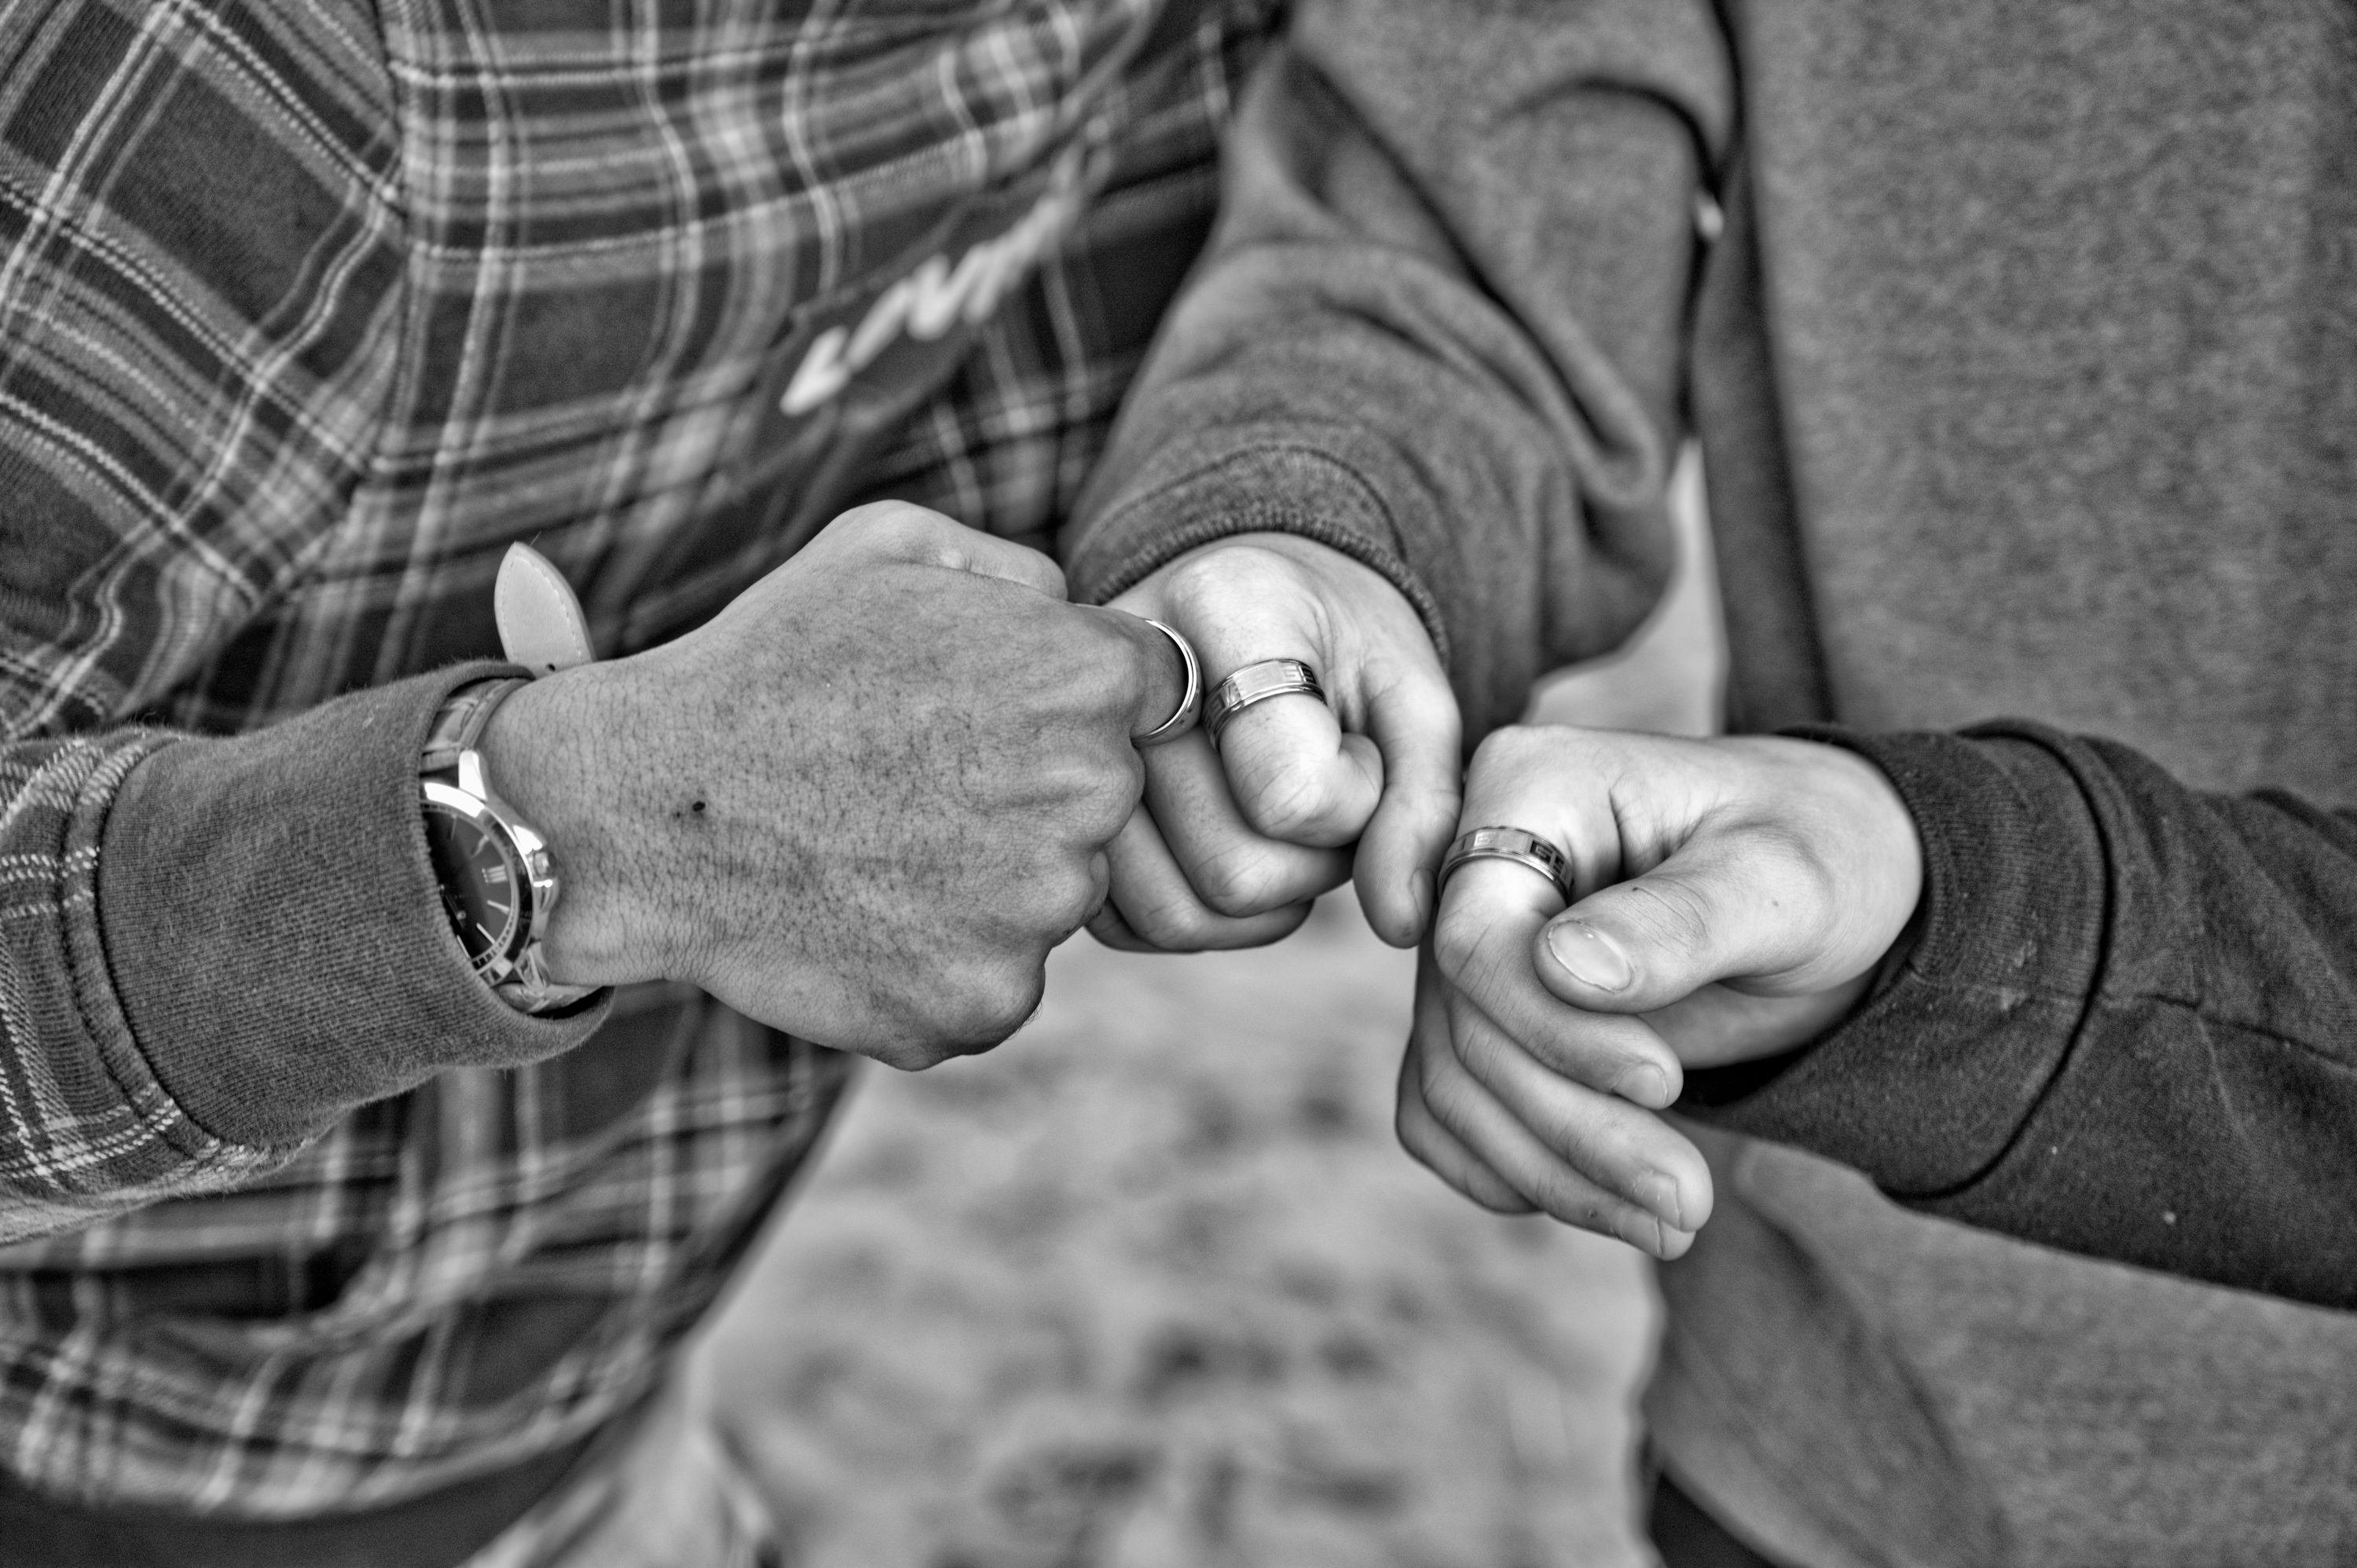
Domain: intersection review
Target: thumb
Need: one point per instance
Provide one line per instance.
(1166, 671)
(1720, 908)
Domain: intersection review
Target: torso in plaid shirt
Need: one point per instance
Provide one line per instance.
(312, 311)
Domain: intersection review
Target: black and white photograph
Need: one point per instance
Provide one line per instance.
(1178, 784)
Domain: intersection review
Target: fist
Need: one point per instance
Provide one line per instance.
(1299, 795)
(863, 802)
(1734, 899)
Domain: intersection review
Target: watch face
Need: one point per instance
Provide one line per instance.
(478, 872)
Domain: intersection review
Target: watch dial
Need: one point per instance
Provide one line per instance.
(478, 873)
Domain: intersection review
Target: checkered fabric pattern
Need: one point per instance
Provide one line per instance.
(310, 311)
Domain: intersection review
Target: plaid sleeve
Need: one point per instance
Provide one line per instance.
(201, 261)
(86, 1129)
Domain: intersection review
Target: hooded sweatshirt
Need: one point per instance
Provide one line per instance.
(2018, 341)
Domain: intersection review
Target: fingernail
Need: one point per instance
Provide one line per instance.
(1593, 958)
(1659, 1194)
(1644, 1085)
(1642, 1232)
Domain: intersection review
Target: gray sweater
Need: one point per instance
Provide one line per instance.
(2021, 364)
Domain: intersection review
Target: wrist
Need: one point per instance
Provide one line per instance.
(1871, 836)
(555, 750)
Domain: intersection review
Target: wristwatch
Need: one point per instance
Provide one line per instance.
(498, 883)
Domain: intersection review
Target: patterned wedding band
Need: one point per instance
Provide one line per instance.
(1257, 683)
(1509, 843)
(1191, 704)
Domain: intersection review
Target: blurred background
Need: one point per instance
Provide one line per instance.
(1152, 1285)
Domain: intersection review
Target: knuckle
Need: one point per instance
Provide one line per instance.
(1212, 576)
(909, 1056)
(1075, 893)
(989, 1005)
(1793, 858)
(894, 522)
(1106, 794)
(1507, 748)
(1012, 1004)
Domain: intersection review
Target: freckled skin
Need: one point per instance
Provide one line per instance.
(861, 803)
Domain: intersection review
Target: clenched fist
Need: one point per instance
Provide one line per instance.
(1300, 795)
(862, 803)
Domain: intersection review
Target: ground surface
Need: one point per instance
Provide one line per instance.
(1153, 1285)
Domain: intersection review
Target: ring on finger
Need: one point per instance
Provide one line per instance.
(1521, 847)
(1191, 704)
(1257, 683)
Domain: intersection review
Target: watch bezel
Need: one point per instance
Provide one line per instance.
(528, 859)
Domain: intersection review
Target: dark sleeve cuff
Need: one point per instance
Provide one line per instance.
(1214, 486)
(274, 930)
(1928, 1083)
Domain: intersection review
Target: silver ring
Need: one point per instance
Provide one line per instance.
(1182, 719)
(1257, 683)
(1522, 848)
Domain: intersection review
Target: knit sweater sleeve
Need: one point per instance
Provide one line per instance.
(2127, 1027)
(212, 948)
(1440, 324)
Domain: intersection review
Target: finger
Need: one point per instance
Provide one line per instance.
(1728, 905)
(1440, 1150)
(1157, 905)
(1295, 775)
(1493, 1136)
(1412, 718)
(1156, 669)
(1630, 1152)
(903, 531)
(1107, 926)
(1491, 912)
(1231, 868)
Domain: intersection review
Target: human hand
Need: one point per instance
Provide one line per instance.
(1734, 898)
(1236, 842)
(862, 802)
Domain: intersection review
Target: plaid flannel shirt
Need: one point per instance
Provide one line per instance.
(310, 311)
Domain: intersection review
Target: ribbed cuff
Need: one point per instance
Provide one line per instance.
(1253, 486)
(274, 929)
